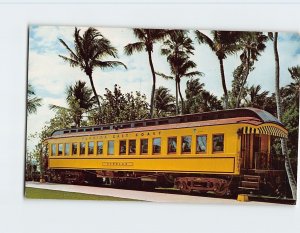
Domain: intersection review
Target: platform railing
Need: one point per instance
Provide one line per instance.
(267, 161)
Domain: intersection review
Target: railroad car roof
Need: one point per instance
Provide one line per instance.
(242, 115)
(249, 120)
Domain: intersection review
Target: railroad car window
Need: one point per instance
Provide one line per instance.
(172, 144)
(60, 149)
(122, 147)
(132, 146)
(82, 148)
(218, 142)
(144, 146)
(74, 148)
(111, 145)
(156, 148)
(99, 148)
(186, 143)
(91, 148)
(67, 149)
(201, 143)
(53, 149)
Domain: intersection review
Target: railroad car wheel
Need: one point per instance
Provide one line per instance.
(221, 188)
(185, 187)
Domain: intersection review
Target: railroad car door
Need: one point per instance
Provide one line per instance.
(250, 147)
(255, 151)
(245, 151)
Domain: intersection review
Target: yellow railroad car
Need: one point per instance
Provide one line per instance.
(217, 151)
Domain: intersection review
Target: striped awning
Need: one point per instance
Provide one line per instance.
(269, 130)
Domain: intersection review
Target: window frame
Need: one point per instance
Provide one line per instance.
(66, 150)
(55, 151)
(124, 153)
(143, 153)
(190, 144)
(88, 148)
(156, 153)
(131, 153)
(201, 152)
(80, 143)
(74, 143)
(113, 147)
(62, 149)
(175, 147)
(98, 147)
(219, 151)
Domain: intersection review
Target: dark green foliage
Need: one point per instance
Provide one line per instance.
(164, 102)
(198, 99)
(178, 48)
(33, 102)
(290, 119)
(252, 45)
(79, 100)
(120, 107)
(255, 99)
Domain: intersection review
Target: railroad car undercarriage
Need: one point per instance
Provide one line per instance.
(221, 185)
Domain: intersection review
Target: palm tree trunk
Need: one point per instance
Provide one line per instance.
(176, 95)
(224, 84)
(153, 83)
(238, 99)
(95, 93)
(287, 162)
(182, 103)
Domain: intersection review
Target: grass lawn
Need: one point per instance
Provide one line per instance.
(36, 193)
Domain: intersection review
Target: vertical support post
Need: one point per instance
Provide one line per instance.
(42, 176)
(251, 151)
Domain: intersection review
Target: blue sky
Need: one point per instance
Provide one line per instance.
(50, 75)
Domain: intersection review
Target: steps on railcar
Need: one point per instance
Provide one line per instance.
(250, 183)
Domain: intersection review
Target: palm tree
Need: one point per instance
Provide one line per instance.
(295, 86)
(33, 102)
(256, 99)
(209, 102)
(223, 43)
(178, 47)
(198, 99)
(193, 88)
(147, 38)
(252, 44)
(90, 50)
(79, 99)
(288, 167)
(164, 102)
